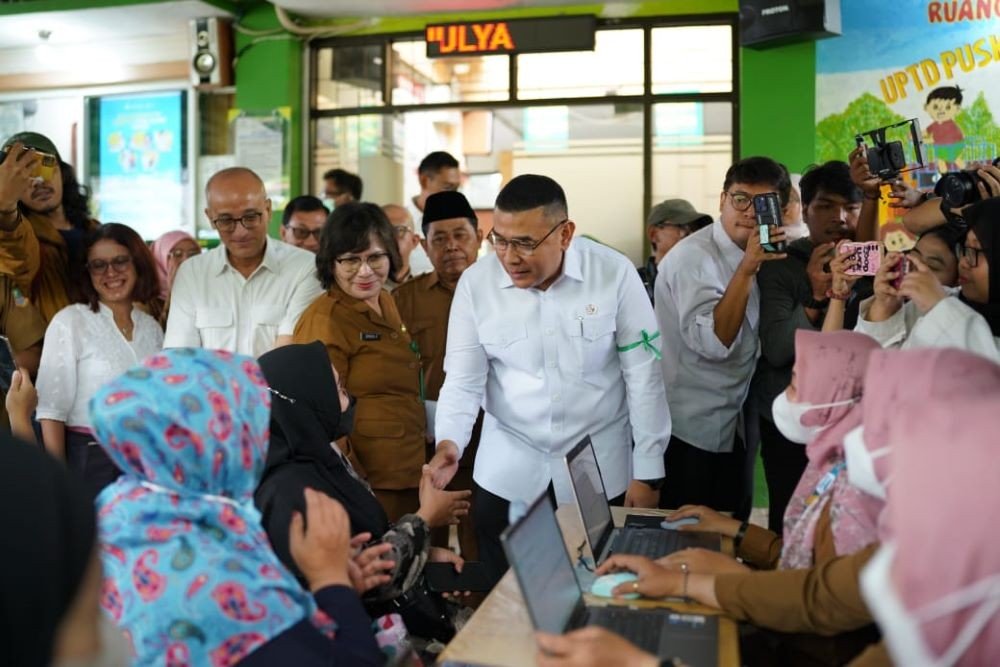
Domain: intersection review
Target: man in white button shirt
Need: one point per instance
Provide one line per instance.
(555, 338)
(247, 294)
(707, 306)
(437, 172)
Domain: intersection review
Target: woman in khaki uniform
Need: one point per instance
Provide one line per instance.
(372, 351)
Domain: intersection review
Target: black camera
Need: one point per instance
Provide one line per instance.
(887, 155)
(958, 188)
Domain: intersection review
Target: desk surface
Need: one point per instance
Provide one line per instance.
(500, 634)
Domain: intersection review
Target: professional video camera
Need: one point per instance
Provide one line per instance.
(888, 155)
(958, 188)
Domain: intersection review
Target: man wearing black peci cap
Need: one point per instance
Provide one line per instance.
(451, 239)
(668, 223)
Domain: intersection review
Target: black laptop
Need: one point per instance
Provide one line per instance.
(595, 512)
(537, 553)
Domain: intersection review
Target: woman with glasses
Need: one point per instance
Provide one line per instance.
(934, 316)
(170, 251)
(88, 344)
(372, 351)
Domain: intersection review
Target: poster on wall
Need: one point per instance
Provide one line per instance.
(138, 160)
(937, 62)
(261, 142)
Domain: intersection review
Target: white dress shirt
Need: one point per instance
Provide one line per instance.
(83, 351)
(420, 263)
(706, 381)
(548, 368)
(213, 306)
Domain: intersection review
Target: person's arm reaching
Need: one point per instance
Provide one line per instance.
(871, 190)
(729, 313)
(57, 382)
(21, 401)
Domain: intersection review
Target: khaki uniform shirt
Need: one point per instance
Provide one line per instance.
(376, 364)
(20, 322)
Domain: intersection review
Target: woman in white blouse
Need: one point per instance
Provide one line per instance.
(88, 344)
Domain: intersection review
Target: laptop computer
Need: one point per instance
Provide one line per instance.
(536, 551)
(603, 537)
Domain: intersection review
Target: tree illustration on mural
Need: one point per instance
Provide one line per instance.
(982, 135)
(835, 133)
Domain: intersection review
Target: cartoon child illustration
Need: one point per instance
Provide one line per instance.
(943, 104)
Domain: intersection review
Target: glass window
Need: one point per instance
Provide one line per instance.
(349, 77)
(613, 68)
(419, 80)
(692, 59)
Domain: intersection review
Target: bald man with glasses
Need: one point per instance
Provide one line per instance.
(247, 294)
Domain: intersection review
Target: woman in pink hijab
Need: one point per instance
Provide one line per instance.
(170, 251)
(934, 586)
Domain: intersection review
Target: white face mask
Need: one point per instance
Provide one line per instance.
(901, 627)
(115, 650)
(788, 418)
(861, 464)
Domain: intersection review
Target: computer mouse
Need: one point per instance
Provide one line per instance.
(674, 525)
(604, 585)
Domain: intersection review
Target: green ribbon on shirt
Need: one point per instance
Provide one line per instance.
(646, 342)
(416, 351)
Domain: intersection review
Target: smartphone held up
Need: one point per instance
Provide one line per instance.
(866, 258)
(767, 208)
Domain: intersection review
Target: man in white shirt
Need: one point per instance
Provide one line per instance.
(247, 294)
(409, 244)
(707, 306)
(555, 338)
(437, 172)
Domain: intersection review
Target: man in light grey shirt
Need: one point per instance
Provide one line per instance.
(707, 305)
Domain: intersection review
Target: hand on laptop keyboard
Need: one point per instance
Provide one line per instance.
(702, 561)
(591, 646)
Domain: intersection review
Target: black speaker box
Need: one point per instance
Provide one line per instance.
(765, 23)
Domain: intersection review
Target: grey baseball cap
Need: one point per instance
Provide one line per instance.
(677, 212)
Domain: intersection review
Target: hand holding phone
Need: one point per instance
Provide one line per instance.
(902, 269)
(767, 208)
(8, 364)
(866, 257)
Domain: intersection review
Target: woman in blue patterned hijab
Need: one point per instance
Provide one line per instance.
(191, 576)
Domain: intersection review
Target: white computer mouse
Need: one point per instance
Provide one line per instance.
(604, 585)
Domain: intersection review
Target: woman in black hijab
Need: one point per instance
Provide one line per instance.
(979, 262)
(310, 411)
(50, 575)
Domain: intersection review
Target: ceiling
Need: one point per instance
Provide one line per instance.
(387, 8)
(101, 25)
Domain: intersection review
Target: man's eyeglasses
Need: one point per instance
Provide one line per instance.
(521, 247)
(970, 254)
(401, 231)
(741, 201)
(377, 261)
(248, 220)
(100, 266)
(301, 233)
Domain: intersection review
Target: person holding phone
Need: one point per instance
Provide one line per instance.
(88, 344)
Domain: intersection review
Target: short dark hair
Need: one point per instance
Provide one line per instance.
(953, 93)
(436, 161)
(950, 235)
(305, 204)
(760, 170)
(531, 191)
(345, 179)
(75, 199)
(349, 229)
(147, 284)
(833, 177)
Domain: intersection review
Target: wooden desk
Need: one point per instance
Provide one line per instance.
(500, 633)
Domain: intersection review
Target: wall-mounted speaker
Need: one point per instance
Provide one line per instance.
(765, 23)
(211, 53)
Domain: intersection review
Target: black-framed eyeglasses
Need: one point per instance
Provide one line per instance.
(970, 254)
(249, 220)
(100, 266)
(301, 233)
(401, 231)
(521, 247)
(741, 201)
(377, 261)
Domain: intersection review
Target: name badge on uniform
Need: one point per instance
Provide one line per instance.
(370, 336)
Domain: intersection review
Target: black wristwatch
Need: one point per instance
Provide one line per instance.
(815, 304)
(654, 484)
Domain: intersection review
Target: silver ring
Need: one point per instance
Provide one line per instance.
(684, 568)
(635, 585)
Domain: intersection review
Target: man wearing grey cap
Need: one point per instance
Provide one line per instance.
(668, 222)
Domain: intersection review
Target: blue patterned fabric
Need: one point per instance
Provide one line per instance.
(190, 574)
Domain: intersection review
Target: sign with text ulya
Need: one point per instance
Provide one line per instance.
(571, 33)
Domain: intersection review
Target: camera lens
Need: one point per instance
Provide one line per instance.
(957, 189)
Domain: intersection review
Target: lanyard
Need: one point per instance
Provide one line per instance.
(825, 483)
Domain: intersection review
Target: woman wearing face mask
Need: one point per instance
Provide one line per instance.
(310, 411)
(50, 579)
(825, 516)
(190, 574)
(934, 317)
(366, 340)
(88, 344)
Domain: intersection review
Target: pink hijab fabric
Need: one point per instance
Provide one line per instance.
(161, 253)
(829, 368)
(945, 493)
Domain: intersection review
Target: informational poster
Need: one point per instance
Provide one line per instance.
(261, 143)
(138, 161)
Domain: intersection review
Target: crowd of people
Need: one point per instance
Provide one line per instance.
(250, 453)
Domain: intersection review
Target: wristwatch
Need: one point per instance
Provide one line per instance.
(816, 304)
(654, 484)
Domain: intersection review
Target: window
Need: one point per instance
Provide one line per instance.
(418, 80)
(692, 59)
(613, 68)
(349, 76)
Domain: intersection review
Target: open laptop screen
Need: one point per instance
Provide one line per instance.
(536, 551)
(590, 494)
